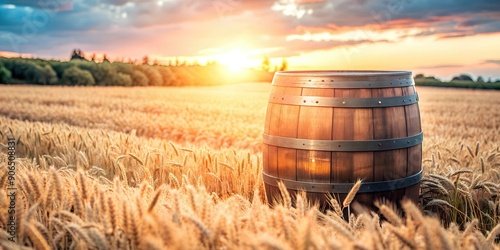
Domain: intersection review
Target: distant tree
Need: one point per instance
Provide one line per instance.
(212, 62)
(431, 78)
(139, 78)
(156, 62)
(21, 68)
(40, 74)
(177, 62)
(154, 77)
(284, 65)
(489, 80)
(105, 59)
(47, 76)
(266, 64)
(169, 78)
(93, 57)
(120, 79)
(182, 63)
(462, 77)
(480, 79)
(419, 76)
(101, 72)
(5, 75)
(77, 54)
(60, 67)
(145, 60)
(125, 68)
(77, 76)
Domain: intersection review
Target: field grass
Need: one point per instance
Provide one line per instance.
(156, 168)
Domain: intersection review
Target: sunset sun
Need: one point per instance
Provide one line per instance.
(236, 60)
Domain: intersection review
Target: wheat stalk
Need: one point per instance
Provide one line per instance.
(36, 237)
(352, 193)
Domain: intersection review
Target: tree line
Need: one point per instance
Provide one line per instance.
(459, 78)
(80, 71)
(460, 81)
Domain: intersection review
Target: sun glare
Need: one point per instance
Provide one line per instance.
(235, 60)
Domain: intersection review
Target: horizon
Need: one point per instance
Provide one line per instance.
(419, 36)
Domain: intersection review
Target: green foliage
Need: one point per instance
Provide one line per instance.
(77, 76)
(5, 75)
(34, 71)
(168, 76)
(462, 77)
(139, 79)
(43, 75)
(125, 68)
(154, 77)
(120, 79)
(60, 67)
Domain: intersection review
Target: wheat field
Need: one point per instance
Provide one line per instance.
(180, 168)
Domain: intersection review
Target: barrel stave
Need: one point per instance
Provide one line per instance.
(315, 123)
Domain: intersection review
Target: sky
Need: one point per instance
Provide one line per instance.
(442, 38)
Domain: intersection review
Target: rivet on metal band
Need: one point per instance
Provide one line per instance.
(343, 145)
(344, 188)
(319, 101)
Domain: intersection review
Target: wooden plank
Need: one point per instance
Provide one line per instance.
(389, 123)
(315, 123)
(313, 166)
(413, 128)
(265, 158)
(268, 112)
(272, 128)
(414, 153)
(274, 118)
(273, 161)
(289, 116)
(353, 124)
(271, 191)
(274, 114)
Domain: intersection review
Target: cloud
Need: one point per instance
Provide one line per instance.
(441, 66)
(175, 27)
(448, 18)
(497, 61)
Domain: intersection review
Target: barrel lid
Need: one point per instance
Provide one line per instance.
(343, 79)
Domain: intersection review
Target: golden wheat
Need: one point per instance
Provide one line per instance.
(179, 168)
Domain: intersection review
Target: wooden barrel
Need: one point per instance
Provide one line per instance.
(326, 129)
